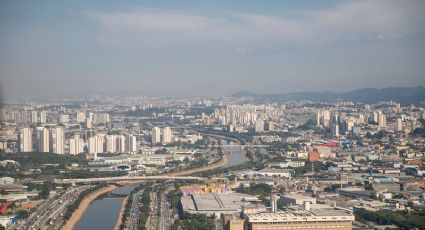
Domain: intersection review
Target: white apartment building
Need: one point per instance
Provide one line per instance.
(25, 140)
(166, 135)
(131, 144)
(156, 135)
(75, 145)
(56, 140)
(43, 139)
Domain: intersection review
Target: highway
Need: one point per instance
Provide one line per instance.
(50, 214)
(133, 219)
(166, 217)
(151, 223)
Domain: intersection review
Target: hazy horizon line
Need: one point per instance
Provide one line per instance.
(146, 93)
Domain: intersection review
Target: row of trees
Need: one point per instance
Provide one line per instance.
(260, 189)
(145, 207)
(127, 210)
(37, 159)
(402, 219)
(45, 189)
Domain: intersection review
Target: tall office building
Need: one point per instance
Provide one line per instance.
(131, 144)
(412, 124)
(64, 118)
(361, 119)
(25, 140)
(326, 118)
(16, 117)
(335, 130)
(318, 116)
(334, 119)
(91, 116)
(101, 143)
(89, 122)
(101, 118)
(375, 116)
(382, 121)
(111, 143)
(42, 140)
(349, 124)
(120, 141)
(56, 140)
(81, 117)
(259, 125)
(167, 135)
(3, 115)
(34, 117)
(75, 145)
(399, 125)
(24, 117)
(43, 117)
(156, 135)
(92, 145)
(96, 144)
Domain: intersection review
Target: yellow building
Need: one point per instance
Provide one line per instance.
(402, 147)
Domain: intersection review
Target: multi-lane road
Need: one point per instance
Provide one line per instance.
(159, 205)
(166, 218)
(50, 214)
(151, 223)
(133, 219)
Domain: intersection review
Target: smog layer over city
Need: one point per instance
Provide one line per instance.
(212, 115)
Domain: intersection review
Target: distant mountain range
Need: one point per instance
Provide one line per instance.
(403, 95)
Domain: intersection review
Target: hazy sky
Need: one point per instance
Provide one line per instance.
(71, 48)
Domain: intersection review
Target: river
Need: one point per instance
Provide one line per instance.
(103, 213)
(234, 153)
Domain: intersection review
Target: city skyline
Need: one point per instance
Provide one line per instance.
(212, 114)
(64, 50)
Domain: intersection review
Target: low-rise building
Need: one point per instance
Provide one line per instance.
(386, 187)
(274, 173)
(286, 164)
(330, 218)
(355, 192)
(217, 203)
(296, 199)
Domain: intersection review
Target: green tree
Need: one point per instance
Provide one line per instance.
(22, 213)
(260, 189)
(45, 190)
(186, 160)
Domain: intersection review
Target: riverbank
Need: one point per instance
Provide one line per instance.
(223, 161)
(215, 165)
(85, 203)
(120, 215)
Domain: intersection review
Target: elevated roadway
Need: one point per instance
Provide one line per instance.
(127, 178)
